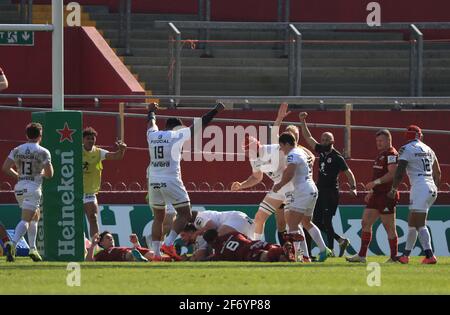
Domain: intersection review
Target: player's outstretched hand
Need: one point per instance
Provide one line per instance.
(152, 107)
(134, 239)
(283, 111)
(236, 186)
(303, 116)
(370, 185)
(276, 187)
(220, 107)
(121, 145)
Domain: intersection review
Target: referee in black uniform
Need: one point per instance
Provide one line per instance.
(331, 163)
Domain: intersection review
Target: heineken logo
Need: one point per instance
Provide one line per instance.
(66, 133)
(66, 194)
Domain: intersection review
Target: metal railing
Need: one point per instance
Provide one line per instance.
(294, 42)
(347, 126)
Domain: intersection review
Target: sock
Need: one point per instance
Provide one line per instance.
(156, 246)
(170, 238)
(304, 248)
(32, 234)
(425, 241)
(257, 237)
(410, 240)
(297, 247)
(393, 245)
(366, 238)
(281, 238)
(21, 229)
(317, 237)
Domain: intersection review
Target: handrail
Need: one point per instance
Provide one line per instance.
(303, 26)
(295, 100)
(237, 120)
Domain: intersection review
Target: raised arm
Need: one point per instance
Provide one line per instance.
(208, 117)
(119, 154)
(282, 113)
(151, 116)
(305, 131)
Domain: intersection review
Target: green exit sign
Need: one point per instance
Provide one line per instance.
(17, 38)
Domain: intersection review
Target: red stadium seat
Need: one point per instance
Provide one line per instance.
(204, 186)
(6, 186)
(120, 186)
(218, 187)
(106, 186)
(190, 186)
(134, 186)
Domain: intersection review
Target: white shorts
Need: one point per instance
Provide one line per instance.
(240, 222)
(281, 194)
(88, 198)
(164, 191)
(422, 197)
(302, 201)
(28, 196)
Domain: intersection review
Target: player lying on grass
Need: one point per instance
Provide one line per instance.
(109, 252)
(3, 234)
(236, 246)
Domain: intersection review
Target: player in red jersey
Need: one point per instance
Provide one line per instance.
(110, 252)
(378, 205)
(236, 246)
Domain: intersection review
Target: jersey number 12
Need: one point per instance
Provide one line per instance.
(426, 165)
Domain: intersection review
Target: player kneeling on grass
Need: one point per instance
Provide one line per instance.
(109, 252)
(301, 201)
(32, 162)
(236, 246)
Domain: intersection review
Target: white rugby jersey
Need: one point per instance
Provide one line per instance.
(165, 148)
(303, 162)
(217, 217)
(271, 161)
(30, 159)
(420, 158)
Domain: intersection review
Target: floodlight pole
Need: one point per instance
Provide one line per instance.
(57, 56)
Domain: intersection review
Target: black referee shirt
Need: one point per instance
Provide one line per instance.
(330, 165)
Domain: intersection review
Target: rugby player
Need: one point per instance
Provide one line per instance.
(302, 199)
(32, 163)
(236, 246)
(92, 173)
(3, 80)
(377, 205)
(424, 173)
(331, 163)
(3, 234)
(272, 162)
(165, 185)
(109, 252)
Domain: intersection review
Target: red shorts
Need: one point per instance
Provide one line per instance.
(382, 203)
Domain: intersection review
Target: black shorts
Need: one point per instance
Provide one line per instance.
(327, 203)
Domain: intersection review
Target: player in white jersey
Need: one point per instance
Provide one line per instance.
(269, 160)
(424, 173)
(32, 163)
(164, 184)
(223, 221)
(302, 200)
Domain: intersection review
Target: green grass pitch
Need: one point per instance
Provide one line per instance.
(335, 276)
